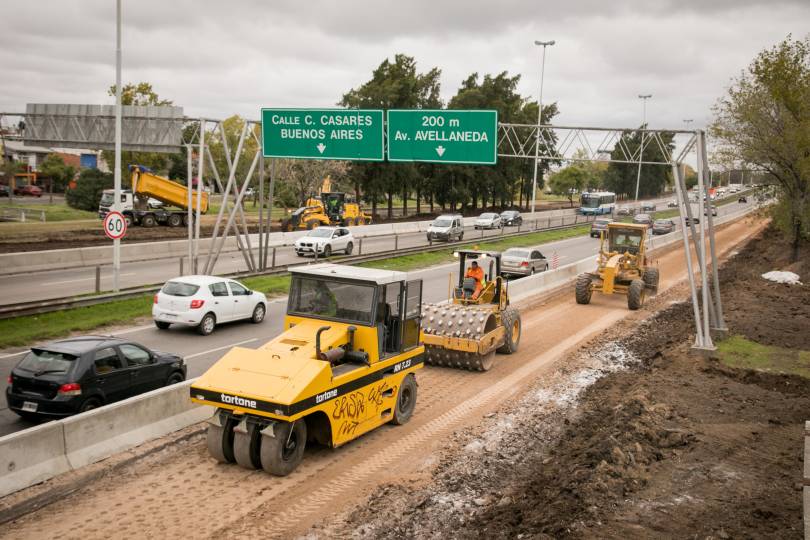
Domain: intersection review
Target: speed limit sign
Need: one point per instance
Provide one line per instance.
(115, 225)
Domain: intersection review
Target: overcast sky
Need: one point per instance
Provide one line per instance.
(219, 58)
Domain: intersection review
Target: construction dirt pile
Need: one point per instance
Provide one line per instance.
(634, 438)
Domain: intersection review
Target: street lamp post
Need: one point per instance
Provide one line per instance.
(543, 44)
(117, 171)
(686, 122)
(644, 98)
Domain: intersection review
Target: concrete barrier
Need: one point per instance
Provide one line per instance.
(42, 452)
(806, 487)
(31, 456)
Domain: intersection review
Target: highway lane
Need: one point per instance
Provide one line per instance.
(61, 282)
(201, 352)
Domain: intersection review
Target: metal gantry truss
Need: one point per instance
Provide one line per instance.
(566, 143)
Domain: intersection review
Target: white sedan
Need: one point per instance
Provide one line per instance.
(324, 241)
(205, 301)
(489, 220)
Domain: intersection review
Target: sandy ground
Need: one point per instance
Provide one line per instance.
(635, 438)
(180, 490)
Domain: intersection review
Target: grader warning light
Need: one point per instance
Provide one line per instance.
(622, 266)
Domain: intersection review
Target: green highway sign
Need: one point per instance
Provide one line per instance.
(355, 134)
(443, 136)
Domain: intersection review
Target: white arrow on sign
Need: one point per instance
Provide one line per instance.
(440, 150)
(321, 147)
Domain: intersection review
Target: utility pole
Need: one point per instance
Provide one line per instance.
(117, 174)
(644, 98)
(543, 44)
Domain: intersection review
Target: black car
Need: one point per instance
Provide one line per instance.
(5, 190)
(78, 374)
(511, 218)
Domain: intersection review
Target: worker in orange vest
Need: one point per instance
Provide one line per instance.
(477, 273)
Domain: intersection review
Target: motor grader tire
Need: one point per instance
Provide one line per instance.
(285, 225)
(635, 294)
(510, 318)
(584, 291)
(313, 224)
(406, 400)
(283, 452)
(360, 221)
(219, 440)
(246, 445)
(651, 277)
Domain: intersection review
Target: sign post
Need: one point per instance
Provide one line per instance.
(346, 134)
(443, 136)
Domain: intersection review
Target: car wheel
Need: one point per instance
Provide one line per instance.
(90, 404)
(175, 378)
(349, 248)
(327, 250)
(532, 271)
(258, 314)
(406, 400)
(162, 325)
(461, 237)
(207, 324)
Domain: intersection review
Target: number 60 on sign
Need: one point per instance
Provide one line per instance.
(115, 225)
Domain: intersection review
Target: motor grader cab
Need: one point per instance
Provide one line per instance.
(476, 322)
(344, 365)
(622, 266)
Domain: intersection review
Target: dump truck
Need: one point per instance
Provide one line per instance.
(345, 364)
(476, 322)
(327, 208)
(622, 266)
(142, 205)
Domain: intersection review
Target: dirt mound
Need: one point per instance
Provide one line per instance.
(635, 437)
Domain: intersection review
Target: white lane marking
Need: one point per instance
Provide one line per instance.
(131, 330)
(80, 279)
(220, 348)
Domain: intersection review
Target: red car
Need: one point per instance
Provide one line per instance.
(33, 191)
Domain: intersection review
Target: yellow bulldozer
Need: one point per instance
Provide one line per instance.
(477, 321)
(327, 208)
(623, 266)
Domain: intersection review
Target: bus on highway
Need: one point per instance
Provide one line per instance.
(597, 202)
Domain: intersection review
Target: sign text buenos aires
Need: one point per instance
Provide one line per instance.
(355, 134)
(443, 136)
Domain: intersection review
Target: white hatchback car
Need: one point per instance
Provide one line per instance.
(489, 220)
(325, 241)
(205, 301)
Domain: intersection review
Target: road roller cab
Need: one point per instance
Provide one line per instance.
(343, 366)
(477, 321)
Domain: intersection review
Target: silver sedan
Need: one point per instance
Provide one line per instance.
(522, 262)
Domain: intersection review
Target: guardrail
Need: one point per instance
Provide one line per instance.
(42, 452)
(44, 306)
(21, 214)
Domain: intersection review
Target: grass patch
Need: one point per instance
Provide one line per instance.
(741, 353)
(269, 285)
(24, 330)
(53, 212)
(417, 261)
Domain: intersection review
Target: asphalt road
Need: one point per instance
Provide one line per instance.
(201, 352)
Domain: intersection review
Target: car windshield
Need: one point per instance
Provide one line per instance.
(351, 302)
(40, 361)
(178, 288)
(107, 198)
(521, 253)
(442, 223)
(321, 233)
(589, 202)
(642, 217)
(601, 222)
(508, 214)
(662, 222)
(488, 216)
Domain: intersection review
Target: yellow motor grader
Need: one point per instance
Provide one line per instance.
(344, 365)
(327, 208)
(623, 266)
(468, 330)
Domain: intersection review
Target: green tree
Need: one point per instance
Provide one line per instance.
(54, 168)
(141, 94)
(621, 177)
(569, 181)
(88, 190)
(393, 85)
(764, 121)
